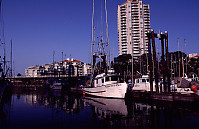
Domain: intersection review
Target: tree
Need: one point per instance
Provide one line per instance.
(193, 66)
(18, 74)
(123, 66)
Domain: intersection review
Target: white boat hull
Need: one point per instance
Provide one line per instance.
(117, 90)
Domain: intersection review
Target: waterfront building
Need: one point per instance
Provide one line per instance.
(193, 55)
(68, 67)
(31, 71)
(133, 25)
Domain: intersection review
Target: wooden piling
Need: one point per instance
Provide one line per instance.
(162, 36)
(168, 62)
(150, 61)
(155, 61)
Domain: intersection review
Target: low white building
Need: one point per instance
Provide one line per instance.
(31, 71)
(193, 55)
(68, 67)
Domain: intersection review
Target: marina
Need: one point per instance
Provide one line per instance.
(149, 84)
(56, 109)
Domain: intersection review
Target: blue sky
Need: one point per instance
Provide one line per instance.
(39, 27)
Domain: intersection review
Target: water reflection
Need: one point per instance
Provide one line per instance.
(55, 99)
(55, 109)
(107, 108)
(5, 109)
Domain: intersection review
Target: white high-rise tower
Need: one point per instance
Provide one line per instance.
(133, 24)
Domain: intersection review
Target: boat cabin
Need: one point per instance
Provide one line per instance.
(103, 79)
(142, 84)
(143, 80)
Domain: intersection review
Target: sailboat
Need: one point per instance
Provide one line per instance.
(105, 83)
(4, 83)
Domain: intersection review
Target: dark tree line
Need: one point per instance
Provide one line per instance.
(123, 66)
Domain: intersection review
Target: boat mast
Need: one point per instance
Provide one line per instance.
(179, 57)
(11, 60)
(3, 41)
(107, 37)
(185, 43)
(53, 63)
(92, 43)
(101, 50)
(132, 55)
(183, 65)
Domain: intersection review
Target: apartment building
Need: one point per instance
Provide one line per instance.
(68, 67)
(133, 24)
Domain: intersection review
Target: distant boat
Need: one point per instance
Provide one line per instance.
(108, 86)
(56, 85)
(179, 85)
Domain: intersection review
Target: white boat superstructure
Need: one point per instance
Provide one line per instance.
(110, 86)
(143, 84)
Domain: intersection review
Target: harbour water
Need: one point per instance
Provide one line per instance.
(46, 109)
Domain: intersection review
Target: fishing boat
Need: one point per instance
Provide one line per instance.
(108, 86)
(105, 83)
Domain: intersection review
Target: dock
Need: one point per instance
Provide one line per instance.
(41, 80)
(169, 97)
(74, 82)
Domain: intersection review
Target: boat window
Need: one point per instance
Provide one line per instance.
(137, 81)
(107, 79)
(114, 78)
(138, 107)
(97, 81)
(145, 109)
(147, 80)
(143, 80)
(102, 80)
